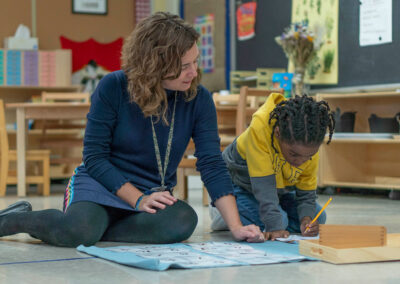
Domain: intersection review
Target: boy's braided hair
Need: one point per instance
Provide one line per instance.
(302, 120)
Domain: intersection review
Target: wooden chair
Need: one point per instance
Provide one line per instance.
(7, 155)
(48, 97)
(66, 97)
(226, 107)
(186, 168)
(66, 138)
(244, 110)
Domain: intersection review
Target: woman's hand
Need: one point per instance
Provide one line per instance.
(228, 209)
(276, 234)
(250, 233)
(313, 228)
(157, 200)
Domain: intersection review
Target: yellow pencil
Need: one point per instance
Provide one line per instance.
(319, 213)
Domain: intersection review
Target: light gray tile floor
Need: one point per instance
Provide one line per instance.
(26, 260)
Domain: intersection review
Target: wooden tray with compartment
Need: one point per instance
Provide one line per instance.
(341, 244)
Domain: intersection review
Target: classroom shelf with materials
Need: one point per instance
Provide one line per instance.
(260, 79)
(362, 159)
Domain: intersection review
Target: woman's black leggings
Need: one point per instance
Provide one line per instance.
(87, 223)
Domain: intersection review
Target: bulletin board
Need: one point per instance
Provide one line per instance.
(357, 66)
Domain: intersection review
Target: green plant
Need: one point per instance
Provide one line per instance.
(319, 6)
(313, 67)
(328, 60)
(329, 26)
(305, 19)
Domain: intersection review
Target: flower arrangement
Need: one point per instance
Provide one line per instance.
(300, 45)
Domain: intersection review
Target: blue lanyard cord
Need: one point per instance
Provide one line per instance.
(168, 150)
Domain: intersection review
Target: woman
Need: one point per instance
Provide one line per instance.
(139, 124)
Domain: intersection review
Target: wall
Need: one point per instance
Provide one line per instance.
(55, 18)
(171, 6)
(13, 13)
(193, 8)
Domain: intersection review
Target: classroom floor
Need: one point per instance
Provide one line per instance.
(26, 260)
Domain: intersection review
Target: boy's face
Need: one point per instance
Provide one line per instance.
(188, 73)
(298, 153)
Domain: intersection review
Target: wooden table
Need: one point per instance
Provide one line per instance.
(27, 111)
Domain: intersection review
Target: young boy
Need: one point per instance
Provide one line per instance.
(274, 163)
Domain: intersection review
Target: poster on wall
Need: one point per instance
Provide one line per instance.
(323, 17)
(246, 19)
(375, 22)
(142, 9)
(204, 25)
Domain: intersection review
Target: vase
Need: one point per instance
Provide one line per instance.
(298, 81)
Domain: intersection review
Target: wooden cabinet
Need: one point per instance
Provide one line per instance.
(362, 159)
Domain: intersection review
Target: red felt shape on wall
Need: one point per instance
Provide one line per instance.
(107, 55)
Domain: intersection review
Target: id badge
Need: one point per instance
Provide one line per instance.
(159, 188)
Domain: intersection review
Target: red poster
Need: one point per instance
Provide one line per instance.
(246, 19)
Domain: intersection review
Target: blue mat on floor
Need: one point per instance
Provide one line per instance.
(198, 255)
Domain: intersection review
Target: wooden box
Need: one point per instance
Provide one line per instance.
(341, 244)
(55, 67)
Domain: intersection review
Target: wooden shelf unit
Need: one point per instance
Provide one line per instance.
(361, 163)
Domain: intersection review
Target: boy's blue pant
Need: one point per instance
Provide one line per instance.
(249, 210)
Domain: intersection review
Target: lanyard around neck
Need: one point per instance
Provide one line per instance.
(167, 151)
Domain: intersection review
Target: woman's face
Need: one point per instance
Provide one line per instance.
(189, 71)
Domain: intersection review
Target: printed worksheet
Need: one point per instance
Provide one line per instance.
(198, 255)
(240, 252)
(179, 255)
(295, 238)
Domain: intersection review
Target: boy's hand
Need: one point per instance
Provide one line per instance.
(276, 234)
(313, 228)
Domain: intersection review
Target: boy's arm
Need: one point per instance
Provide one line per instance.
(305, 203)
(306, 190)
(264, 190)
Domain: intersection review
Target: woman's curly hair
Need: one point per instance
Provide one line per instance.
(152, 53)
